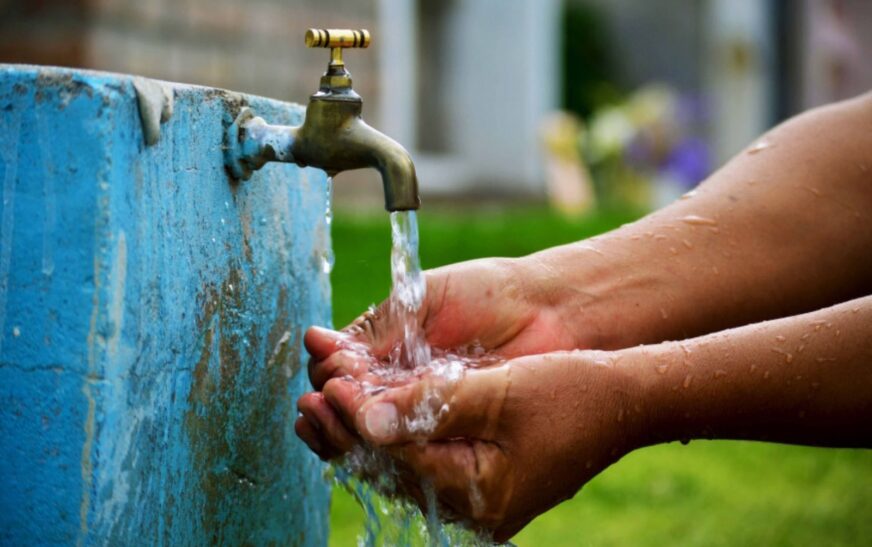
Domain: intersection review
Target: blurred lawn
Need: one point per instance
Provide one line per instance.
(707, 493)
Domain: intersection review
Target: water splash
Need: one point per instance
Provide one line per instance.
(368, 473)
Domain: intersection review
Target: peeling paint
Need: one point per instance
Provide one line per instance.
(149, 379)
(155, 100)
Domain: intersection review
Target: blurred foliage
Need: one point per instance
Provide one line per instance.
(706, 494)
(588, 70)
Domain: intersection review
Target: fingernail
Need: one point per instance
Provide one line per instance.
(381, 421)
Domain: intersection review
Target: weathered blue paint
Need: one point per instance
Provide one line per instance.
(151, 319)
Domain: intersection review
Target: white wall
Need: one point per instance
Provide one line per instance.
(500, 77)
(738, 73)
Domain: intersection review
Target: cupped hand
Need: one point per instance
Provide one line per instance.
(505, 306)
(501, 305)
(502, 444)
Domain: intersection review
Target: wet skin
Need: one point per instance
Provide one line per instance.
(780, 230)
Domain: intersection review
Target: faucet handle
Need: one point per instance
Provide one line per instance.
(337, 38)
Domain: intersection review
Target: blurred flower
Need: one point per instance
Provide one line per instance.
(569, 186)
(610, 132)
(689, 162)
(648, 140)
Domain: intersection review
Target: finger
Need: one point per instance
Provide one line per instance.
(309, 435)
(431, 408)
(334, 436)
(342, 363)
(321, 342)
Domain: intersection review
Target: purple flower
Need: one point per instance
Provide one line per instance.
(689, 162)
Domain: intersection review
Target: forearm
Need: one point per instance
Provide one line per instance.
(805, 379)
(777, 232)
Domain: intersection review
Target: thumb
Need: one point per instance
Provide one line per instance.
(432, 407)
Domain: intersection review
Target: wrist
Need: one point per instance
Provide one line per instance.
(616, 388)
(659, 388)
(608, 299)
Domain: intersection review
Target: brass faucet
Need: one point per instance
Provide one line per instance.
(333, 136)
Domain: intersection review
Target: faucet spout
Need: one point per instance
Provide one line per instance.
(333, 137)
(377, 150)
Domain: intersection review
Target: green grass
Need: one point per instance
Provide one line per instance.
(707, 493)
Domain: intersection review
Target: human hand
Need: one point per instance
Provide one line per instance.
(514, 440)
(501, 305)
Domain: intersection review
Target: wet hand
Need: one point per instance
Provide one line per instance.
(501, 305)
(504, 443)
(498, 304)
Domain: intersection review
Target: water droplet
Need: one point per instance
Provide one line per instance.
(673, 250)
(813, 190)
(788, 357)
(687, 244)
(328, 260)
(687, 380)
(685, 349)
(696, 220)
(664, 314)
(688, 195)
(715, 270)
(222, 221)
(720, 373)
(766, 375)
(780, 338)
(753, 368)
(591, 249)
(659, 237)
(759, 146)
(16, 331)
(620, 415)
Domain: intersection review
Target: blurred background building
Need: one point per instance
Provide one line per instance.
(656, 92)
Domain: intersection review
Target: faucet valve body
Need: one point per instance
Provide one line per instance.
(333, 136)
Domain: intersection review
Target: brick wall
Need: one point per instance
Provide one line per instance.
(254, 46)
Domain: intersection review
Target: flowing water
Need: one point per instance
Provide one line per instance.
(408, 290)
(392, 519)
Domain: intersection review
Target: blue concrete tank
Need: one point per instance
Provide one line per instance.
(151, 319)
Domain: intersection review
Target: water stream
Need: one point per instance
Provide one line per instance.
(392, 519)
